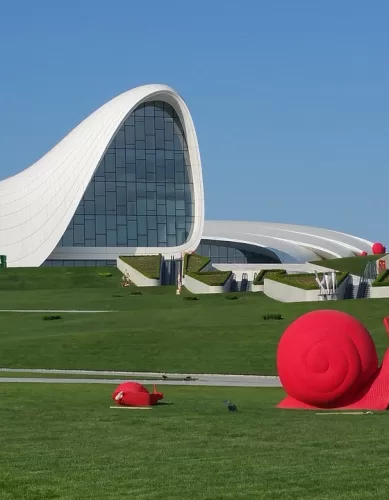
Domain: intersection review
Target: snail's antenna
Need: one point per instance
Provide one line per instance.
(386, 323)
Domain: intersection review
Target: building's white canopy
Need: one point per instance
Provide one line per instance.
(291, 243)
(37, 205)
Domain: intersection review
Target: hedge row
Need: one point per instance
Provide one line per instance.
(193, 266)
(148, 265)
(304, 281)
(382, 279)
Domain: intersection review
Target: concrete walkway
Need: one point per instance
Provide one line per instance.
(214, 380)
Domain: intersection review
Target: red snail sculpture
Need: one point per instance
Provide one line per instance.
(135, 394)
(327, 360)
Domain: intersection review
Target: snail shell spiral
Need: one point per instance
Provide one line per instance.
(325, 356)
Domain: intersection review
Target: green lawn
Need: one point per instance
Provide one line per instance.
(63, 442)
(159, 333)
(353, 265)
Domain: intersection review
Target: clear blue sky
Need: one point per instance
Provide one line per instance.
(289, 97)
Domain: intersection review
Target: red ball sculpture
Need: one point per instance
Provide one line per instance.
(378, 248)
(327, 359)
(135, 394)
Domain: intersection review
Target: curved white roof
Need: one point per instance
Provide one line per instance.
(291, 243)
(37, 205)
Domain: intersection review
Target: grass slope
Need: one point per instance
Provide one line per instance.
(353, 265)
(162, 333)
(63, 442)
(59, 278)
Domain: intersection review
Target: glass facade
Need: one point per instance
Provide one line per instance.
(142, 192)
(78, 263)
(225, 252)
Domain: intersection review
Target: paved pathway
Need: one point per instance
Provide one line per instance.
(199, 379)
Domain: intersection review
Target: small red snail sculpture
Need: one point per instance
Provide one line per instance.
(327, 359)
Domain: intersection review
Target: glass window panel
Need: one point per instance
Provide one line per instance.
(120, 158)
(100, 224)
(171, 240)
(78, 219)
(100, 205)
(140, 154)
(141, 189)
(131, 208)
(132, 230)
(170, 170)
(150, 177)
(110, 176)
(131, 191)
(120, 140)
(121, 195)
(159, 139)
(169, 134)
(160, 158)
(78, 234)
(67, 239)
(121, 175)
(122, 235)
(130, 155)
(150, 142)
(130, 136)
(158, 108)
(100, 188)
(90, 243)
(140, 111)
(90, 192)
(162, 233)
(159, 123)
(121, 220)
(151, 222)
(110, 186)
(90, 229)
(111, 222)
(149, 126)
(89, 207)
(130, 120)
(141, 206)
(161, 209)
(101, 240)
(170, 207)
(142, 226)
(111, 238)
(150, 163)
(152, 238)
(171, 225)
(149, 109)
(180, 222)
(110, 162)
(141, 169)
(111, 200)
(181, 236)
(142, 241)
(139, 131)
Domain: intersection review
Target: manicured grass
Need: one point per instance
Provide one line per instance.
(63, 442)
(159, 333)
(352, 265)
(59, 278)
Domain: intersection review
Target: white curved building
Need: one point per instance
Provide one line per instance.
(128, 180)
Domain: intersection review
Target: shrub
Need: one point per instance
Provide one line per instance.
(105, 275)
(231, 297)
(117, 295)
(272, 316)
(382, 279)
(135, 293)
(148, 265)
(190, 297)
(51, 318)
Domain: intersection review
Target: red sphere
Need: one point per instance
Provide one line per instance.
(363, 254)
(378, 248)
(324, 356)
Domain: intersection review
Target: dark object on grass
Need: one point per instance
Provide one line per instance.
(231, 406)
(272, 316)
(188, 378)
(135, 293)
(164, 377)
(51, 318)
(116, 295)
(190, 297)
(232, 297)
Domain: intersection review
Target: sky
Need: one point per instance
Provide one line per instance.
(289, 98)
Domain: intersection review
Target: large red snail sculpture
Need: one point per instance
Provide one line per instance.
(327, 360)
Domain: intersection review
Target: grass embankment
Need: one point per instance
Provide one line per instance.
(352, 265)
(69, 445)
(194, 266)
(148, 265)
(158, 333)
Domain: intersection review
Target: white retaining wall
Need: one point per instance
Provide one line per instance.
(196, 286)
(379, 292)
(135, 276)
(287, 293)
